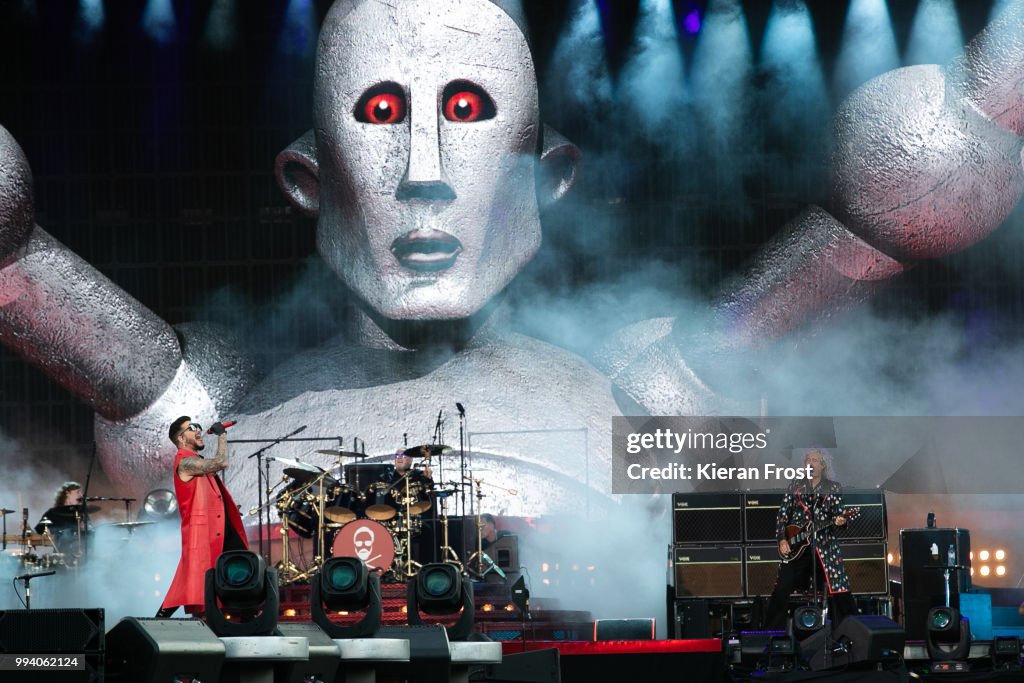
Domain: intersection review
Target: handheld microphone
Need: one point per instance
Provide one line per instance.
(23, 577)
(225, 424)
(462, 411)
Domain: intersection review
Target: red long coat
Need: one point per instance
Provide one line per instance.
(201, 501)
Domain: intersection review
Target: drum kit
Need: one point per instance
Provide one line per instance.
(63, 540)
(365, 510)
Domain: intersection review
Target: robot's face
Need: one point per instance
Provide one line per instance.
(426, 120)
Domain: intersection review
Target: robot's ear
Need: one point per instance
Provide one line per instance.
(298, 174)
(559, 162)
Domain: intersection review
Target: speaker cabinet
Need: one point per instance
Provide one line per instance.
(867, 566)
(761, 569)
(57, 632)
(691, 619)
(760, 513)
(710, 518)
(871, 524)
(704, 572)
(51, 630)
(923, 558)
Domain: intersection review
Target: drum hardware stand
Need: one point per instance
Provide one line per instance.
(448, 555)
(484, 563)
(409, 562)
(287, 572)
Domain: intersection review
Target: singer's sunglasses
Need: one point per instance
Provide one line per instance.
(194, 427)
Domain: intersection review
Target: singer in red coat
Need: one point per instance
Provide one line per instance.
(210, 523)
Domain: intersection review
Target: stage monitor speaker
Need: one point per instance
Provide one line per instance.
(623, 629)
(760, 512)
(867, 566)
(923, 559)
(870, 524)
(860, 639)
(157, 650)
(710, 518)
(691, 619)
(57, 631)
(761, 567)
(323, 661)
(703, 572)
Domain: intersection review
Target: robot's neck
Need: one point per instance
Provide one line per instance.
(371, 330)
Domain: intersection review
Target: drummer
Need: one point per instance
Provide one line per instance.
(402, 465)
(61, 519)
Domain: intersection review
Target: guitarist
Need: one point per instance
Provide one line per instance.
(818, 503)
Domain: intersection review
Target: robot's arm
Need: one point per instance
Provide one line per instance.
(65, 317)
(927, 161)
(131, 367)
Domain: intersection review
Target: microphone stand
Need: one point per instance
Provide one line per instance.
(462, 481)
(261, 481)
(28, 591)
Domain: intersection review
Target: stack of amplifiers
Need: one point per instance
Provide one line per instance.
(725, 543)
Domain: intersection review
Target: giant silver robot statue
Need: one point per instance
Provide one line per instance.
(426, 171)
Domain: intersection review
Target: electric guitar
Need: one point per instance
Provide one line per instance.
(798, 537)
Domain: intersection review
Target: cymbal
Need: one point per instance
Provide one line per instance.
(34, 539)
(427, 450)
(72, 510)
(5, 511)
(297, 464)
(343, 454)
(131, 525)
(306, 477)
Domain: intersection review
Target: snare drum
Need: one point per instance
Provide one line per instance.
(380, 505)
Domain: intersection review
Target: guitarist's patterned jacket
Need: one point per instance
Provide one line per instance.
(826, 501)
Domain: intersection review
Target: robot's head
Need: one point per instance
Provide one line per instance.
(423, 175)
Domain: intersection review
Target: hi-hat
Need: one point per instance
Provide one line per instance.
(343, 454)
(427, 450)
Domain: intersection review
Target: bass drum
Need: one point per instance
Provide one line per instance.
(297, 504)
(368, 540)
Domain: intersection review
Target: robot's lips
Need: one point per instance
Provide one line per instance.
(426, 251)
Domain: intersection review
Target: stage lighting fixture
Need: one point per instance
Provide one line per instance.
(345, 585)
(240, 584)
(947, 634)
(1005, 653)
(1000, 555)
(439, 590)
(807, 620)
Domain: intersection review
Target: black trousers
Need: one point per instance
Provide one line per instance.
(797, 574)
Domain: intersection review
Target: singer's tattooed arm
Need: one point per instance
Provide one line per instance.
(196, 466)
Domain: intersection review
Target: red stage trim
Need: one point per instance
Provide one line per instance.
(568, 648)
